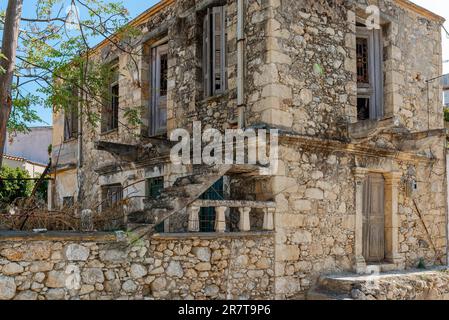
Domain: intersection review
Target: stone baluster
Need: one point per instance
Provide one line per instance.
(194, 221)
(220, 220)
(268, 222)
(244, 223)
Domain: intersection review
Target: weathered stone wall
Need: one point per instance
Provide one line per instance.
(430, 285)
(305, 79)
(417, 284)
(99, 267)
(316, 215)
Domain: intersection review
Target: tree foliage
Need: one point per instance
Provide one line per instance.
(53, 58)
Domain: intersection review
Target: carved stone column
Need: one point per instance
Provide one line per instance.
(359, 179)
(194, 221)
(268, 219)
(244, 223)
(220, 220)
(392, 180)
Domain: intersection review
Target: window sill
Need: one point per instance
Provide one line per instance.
(215, 98)
(105, 133)
(364, 128)
(70, 140)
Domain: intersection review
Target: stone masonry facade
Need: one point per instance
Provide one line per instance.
(67, 267)
(300, 76)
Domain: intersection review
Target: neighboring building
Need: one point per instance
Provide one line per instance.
(445, 84)
(33, 168)
(32, 145)
(361, 175)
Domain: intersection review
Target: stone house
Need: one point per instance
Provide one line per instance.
(361, 177)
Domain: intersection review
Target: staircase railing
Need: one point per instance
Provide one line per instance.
(244, 208)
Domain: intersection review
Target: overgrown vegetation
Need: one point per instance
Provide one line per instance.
(446, 114)
(13, 185)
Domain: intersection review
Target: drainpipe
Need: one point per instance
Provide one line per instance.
(79, 150)
(446, 185)
(240, 63)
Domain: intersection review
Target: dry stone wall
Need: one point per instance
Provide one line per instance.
(100, 267)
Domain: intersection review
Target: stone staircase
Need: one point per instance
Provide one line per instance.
(414, 284)
(173, 199)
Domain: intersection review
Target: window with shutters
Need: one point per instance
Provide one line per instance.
(214, 51)
(369, 73)
(112, 196)
(70, 124)
(109, 115)
(71, 117)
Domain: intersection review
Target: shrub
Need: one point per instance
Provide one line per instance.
(14, 187)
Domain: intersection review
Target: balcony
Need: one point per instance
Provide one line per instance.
(243, 207)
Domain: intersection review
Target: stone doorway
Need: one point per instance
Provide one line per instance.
(376, 220)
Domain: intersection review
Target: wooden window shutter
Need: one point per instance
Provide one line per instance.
(206, 55)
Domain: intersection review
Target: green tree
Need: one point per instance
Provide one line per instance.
(13, 184)
(52, 51)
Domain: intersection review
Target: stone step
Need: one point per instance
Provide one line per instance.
(315, 294)
(336, 285)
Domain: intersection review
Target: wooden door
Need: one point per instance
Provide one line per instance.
(374, 219)
(159, 90)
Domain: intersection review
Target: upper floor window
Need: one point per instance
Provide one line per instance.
(214, 51)
(159, 73)
(109, 114)
(369, 73)
(71, 117)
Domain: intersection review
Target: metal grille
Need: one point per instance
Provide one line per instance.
(362, 60)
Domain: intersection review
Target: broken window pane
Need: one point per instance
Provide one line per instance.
(362, 108)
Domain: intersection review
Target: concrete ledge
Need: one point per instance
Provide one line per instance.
(57, 236)
(212, 235)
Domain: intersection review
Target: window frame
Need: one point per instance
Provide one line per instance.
(71, 117)
(209, 48)
(374, 90)
(110, 111)
(105, 194)
(158, 49)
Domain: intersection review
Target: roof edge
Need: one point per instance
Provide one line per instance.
(420, 10)
(137, 21)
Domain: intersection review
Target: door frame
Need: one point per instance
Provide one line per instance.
(391, 193)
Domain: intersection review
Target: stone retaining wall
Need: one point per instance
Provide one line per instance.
(99, 266)
(411, 285)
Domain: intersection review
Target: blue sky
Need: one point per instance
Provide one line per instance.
(136, 7)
